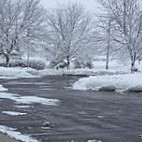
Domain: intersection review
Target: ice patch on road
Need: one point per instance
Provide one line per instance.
(12, 133)
(28, 99)
(12, 113)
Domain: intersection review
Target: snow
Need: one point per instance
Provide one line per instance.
(11, 132)
(50, 72)
(94, 141)
(34, 99)
(12, 113)
(28, 99)
(115, 65)
(120, 82)
(22, 106)
(77, 72)
(2, 88)
(14, 73)
(17, 72)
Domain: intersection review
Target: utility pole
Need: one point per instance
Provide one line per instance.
(108, 44)
(28, 51)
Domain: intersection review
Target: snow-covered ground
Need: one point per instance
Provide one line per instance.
(127, 82)
(14, 73)
(11, 132)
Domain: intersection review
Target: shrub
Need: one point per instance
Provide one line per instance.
(35, 64)
(78, 64)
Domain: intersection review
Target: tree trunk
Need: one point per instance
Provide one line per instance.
(7, 60)
(28, 57)
(68, 62)
(132, 66)
(107, 60)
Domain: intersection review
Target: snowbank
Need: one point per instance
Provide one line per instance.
(14, 73)
(11, 132)
(129, 82)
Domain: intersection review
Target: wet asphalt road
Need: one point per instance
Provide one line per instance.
(80, 116)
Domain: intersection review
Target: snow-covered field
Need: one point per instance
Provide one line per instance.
(127, 82)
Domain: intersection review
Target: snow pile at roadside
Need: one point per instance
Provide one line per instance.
(2, 88)
(14, 73)
(50, 72)
(11, 132)
(129, 82)
(28, 99)
(12, 113)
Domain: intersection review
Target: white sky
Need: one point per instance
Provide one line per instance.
(90, 5)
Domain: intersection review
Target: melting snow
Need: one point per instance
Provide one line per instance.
(22, 106)
(28, 99)
(2, 88)
(12, 113)
(11, 132)
(94, 141)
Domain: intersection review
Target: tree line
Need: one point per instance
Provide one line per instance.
(70, 32)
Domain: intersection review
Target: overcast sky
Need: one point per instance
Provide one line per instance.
(90, 5)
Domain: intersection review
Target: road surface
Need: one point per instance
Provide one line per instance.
(79, 117)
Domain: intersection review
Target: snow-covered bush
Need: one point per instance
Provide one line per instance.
(58, 64)
(89, 64)
(18, 63)
(35, 64)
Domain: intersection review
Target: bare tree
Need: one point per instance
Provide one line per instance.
(69, 29)
(16, 20)
(127, 15)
